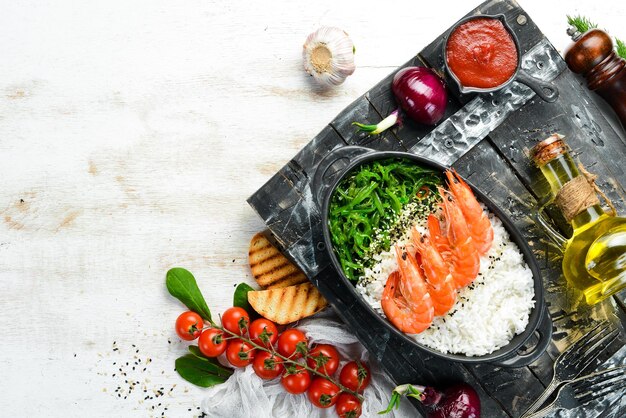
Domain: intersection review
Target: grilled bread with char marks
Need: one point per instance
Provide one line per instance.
(287, 304)
(288, 296)
(270, 268)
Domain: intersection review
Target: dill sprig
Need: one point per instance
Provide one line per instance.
(581, 23)
(620, 48)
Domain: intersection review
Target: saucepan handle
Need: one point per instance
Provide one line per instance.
(546, 90)
(331, 167)
(545, 337)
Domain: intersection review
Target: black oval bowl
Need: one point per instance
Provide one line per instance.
(507, 355)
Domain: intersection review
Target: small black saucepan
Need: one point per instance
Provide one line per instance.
(547, 91)
(339, 163)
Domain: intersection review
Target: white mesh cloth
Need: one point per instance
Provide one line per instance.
(246, 395)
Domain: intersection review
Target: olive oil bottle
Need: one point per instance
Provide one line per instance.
(594, 258)
(607, 256)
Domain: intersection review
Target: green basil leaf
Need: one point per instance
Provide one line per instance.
(219, 370)
(182, 285)
(240, 298)
(195, 350)
(201, 371)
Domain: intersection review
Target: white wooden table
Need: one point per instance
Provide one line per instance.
(131, 134)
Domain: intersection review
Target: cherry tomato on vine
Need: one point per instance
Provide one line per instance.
(189, 325)
(263, 332)
(239, 353)
(355, 376)
(296, 379)
(266, 365)
(291, 343)
(212, 343)
(236, 320)
(348, 406)
(324, 358)
(323, 393)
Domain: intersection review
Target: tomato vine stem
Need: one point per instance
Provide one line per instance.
(290, 361)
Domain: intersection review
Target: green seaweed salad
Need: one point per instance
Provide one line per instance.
(366, 207)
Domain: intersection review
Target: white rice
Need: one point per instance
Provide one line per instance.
(487, 314)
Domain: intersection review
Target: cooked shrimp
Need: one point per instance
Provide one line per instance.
(477, 220)
(414, 289)
(441, 286)
(397, 308)
(437, 238)
(463, 259)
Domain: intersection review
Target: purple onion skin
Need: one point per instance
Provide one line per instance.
(421, 94)
(458, 401)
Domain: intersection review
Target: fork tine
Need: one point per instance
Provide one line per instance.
(598, 384)
(611, 387)
(595, 348)
(598, 377)
(574, 350)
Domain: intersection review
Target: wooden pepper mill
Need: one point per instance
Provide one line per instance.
(593, 56)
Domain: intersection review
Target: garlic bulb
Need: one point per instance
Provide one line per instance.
(328, 55)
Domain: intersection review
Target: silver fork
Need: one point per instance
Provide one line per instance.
(583, 390)
(576, 358)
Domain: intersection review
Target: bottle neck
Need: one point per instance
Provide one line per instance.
(559, 171)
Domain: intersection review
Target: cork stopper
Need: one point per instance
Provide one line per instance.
(548, 149)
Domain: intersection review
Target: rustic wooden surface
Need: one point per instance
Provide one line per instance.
(131, 134)
(498, 165)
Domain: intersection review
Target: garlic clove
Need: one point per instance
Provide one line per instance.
(328, 55)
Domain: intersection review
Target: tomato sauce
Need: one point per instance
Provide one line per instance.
(481, 53)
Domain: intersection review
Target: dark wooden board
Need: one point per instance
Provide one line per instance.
(498, 165)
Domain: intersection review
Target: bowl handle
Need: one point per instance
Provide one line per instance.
(547, 91)
(545, 337)
(331, 167)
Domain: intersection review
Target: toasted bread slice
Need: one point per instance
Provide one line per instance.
(287, 304)
(270, 267)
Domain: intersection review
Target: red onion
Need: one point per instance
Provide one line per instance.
(421, 94)
(458, 401)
